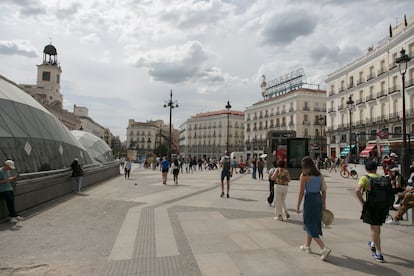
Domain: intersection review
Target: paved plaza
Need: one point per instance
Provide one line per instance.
(138, 226)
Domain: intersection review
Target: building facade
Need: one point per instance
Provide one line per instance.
(374, 84)
(300, 109)
(205, 134)
(147, 136)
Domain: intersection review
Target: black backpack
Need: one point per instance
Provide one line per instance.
(226, 164)
(380, 193)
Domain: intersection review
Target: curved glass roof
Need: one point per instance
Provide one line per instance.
(97, 148)
(33, 137)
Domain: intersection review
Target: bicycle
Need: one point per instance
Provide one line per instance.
(345, 173)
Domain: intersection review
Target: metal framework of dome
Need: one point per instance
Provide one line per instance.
(32, 136)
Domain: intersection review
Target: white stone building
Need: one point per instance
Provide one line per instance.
(205, 134)
(374, 84)
(301, 110)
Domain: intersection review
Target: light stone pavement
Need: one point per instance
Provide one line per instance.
(138, 226)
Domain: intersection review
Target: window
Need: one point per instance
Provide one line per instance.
(58, 78)
(46, 76)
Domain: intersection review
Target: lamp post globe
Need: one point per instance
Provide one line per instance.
(171, 104)
(321, 120)
(350, 105)
(228, 107)
(402, 62)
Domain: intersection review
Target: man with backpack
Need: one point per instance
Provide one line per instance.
(226, 172)
(375, 205)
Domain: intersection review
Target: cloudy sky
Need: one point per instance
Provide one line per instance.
(121, 58)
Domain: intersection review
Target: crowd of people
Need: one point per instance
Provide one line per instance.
(312, 190)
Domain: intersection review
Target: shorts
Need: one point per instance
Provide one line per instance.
(374, 216)
(176, 171)
(225, 174)
(164, 170)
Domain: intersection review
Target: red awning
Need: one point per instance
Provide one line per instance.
(367, 150)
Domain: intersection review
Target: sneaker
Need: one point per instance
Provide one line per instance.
(14, 220)
(287, 214)
(306, 249)
(378, 257)
(372, 247)
(325, 253)
(222, 194)
(392, 222)
(228, 196)
(280, 218)
(19, 218)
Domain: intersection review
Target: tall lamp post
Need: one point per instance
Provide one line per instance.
(402, 66)
(320, 119)
(228, 106)
(350, 105)
(171, 104)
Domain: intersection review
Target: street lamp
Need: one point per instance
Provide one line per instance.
(350, 105)
(228, 106)
(402, 66)
(320, 119)
(171, 104)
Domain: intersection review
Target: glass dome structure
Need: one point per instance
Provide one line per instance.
(97, 148)
(33, 137)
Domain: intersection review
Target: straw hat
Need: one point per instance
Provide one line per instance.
(327, 217)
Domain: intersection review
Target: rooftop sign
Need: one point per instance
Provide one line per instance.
(284, 83)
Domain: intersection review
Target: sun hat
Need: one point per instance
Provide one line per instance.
(327, 217)
(10, 163)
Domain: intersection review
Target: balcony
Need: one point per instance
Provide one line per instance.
(331, 93)
(370, 76)
(359, 101)
(330, 110)
(341, 90)
(381, 71)
(393, 89)
(370, 98)
(340, 107)
(381, 93)
(306, 122)
(306, 108)
(360, 81)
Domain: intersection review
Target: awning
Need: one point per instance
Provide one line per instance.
(365, 153)
(345, 151)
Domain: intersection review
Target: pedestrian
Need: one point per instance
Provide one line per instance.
(6, 189)
(313, 189)
(225, 173)
(254, 165)
(271, 196)
(371, 215)
(175, 166)
(260, 167)
(77, 173)
(282, 179)
(128, 166)
(165, 165)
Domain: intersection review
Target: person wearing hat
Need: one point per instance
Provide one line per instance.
(6, 189)
(397, 180)
(375, 217)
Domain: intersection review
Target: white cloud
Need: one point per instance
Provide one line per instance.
(121, 58)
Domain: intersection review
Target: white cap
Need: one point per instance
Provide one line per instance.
(10, 163)
(393, 154)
